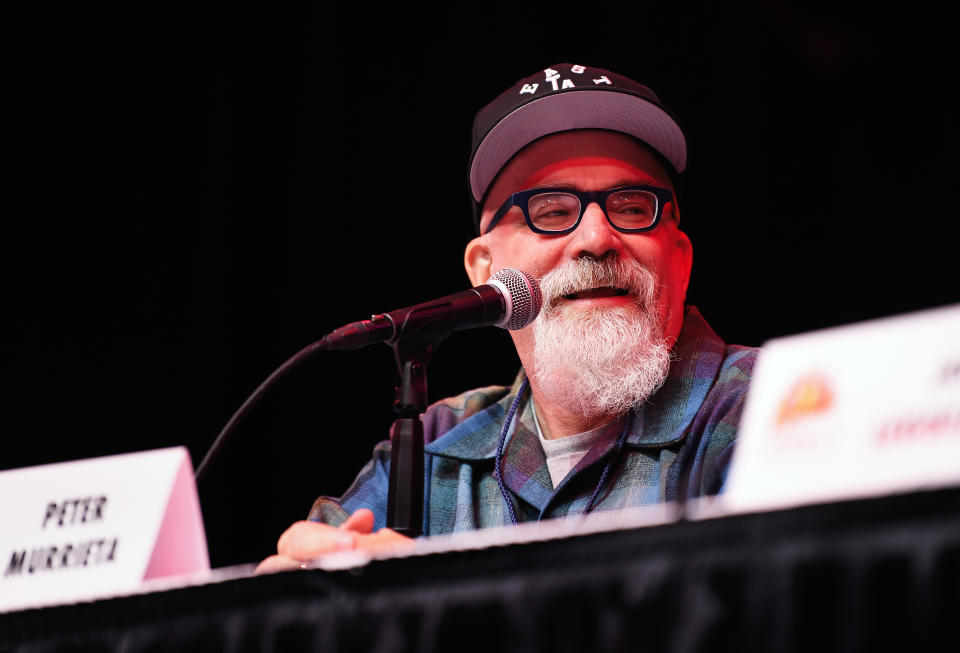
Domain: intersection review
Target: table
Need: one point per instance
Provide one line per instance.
(865, 575)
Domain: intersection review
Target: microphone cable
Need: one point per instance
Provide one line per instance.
(247, 406)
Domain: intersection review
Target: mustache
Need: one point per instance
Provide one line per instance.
(582, 274)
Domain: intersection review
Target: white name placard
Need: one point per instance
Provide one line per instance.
(91, 528)
(860, 410)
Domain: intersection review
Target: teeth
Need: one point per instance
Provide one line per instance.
(600, 291)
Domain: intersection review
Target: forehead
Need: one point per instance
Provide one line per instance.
(589, 159)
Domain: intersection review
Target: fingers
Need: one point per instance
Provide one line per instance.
(385, 541)
(306, 540)
(361, 521)
(276, 563)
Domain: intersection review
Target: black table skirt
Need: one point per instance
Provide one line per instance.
(870, 575)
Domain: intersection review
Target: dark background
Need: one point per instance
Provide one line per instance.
(189, 196)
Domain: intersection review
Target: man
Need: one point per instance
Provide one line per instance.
(626, 397)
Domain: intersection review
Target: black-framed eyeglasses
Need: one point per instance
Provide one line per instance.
(555, 211)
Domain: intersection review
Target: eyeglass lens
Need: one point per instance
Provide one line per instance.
(629, 209)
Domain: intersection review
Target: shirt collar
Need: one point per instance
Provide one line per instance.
(661, 421)
(696, 359)
(476, 437)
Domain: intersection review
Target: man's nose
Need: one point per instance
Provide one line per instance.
(595, 236)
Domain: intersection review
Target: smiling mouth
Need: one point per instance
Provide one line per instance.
(594, 293)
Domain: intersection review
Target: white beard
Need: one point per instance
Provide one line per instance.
(603, 360)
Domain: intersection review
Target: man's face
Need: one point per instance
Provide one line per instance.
(585, 160)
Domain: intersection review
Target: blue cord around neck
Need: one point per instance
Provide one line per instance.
(498, 461)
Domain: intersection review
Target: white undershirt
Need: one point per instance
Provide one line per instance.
(563, 454)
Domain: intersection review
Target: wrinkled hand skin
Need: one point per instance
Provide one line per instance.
(306, 540)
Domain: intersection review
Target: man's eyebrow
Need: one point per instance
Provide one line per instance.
(616, 184)
(553, 187)
(634, 182)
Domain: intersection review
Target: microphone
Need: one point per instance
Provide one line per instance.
(510, 299)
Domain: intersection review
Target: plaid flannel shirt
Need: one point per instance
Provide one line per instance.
(679, 446)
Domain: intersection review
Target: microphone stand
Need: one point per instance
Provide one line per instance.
(405, 494)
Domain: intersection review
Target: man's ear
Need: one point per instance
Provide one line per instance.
(684, 259)
(478, 261)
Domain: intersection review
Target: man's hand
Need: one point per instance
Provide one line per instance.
(306, 540)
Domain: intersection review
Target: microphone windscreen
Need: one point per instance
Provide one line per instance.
(524, 300)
